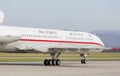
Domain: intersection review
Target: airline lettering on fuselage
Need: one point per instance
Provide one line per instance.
(47, 32)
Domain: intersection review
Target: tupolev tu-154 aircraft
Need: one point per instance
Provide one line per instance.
(54, 42)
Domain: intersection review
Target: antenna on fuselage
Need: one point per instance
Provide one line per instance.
(1, 17)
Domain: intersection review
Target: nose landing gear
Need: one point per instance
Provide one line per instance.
(83, 60)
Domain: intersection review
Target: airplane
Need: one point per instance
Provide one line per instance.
(48, 41)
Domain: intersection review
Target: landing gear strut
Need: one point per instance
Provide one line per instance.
(53, 60)
(83, 61)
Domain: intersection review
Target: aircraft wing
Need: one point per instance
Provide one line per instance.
(54, 48)
(42, 48)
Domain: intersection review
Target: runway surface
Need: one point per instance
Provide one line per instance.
(74, 68)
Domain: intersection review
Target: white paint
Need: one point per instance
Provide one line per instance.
(1, 17)
(59, 40)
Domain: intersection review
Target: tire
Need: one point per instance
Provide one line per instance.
(83, 61)
(50, 62)
(58, 62)
(45, 62)
(53, 62)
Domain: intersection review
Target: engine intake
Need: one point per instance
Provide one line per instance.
(8, 39)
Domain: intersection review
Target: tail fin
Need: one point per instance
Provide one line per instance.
(1, 17)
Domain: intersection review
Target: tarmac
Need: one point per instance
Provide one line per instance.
(67, 68)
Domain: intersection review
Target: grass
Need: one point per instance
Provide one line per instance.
(31, 57)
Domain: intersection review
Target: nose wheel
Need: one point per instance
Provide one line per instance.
(83, 61)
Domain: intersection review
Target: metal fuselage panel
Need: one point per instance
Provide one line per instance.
(48, 38)
(11, 47)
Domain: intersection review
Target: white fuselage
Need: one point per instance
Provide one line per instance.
(13, 39)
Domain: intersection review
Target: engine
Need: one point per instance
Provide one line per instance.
(8, 39)
(1, 17)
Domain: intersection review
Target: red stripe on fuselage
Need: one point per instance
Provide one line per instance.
(76, 42)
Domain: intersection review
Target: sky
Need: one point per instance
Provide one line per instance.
(80, 15)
